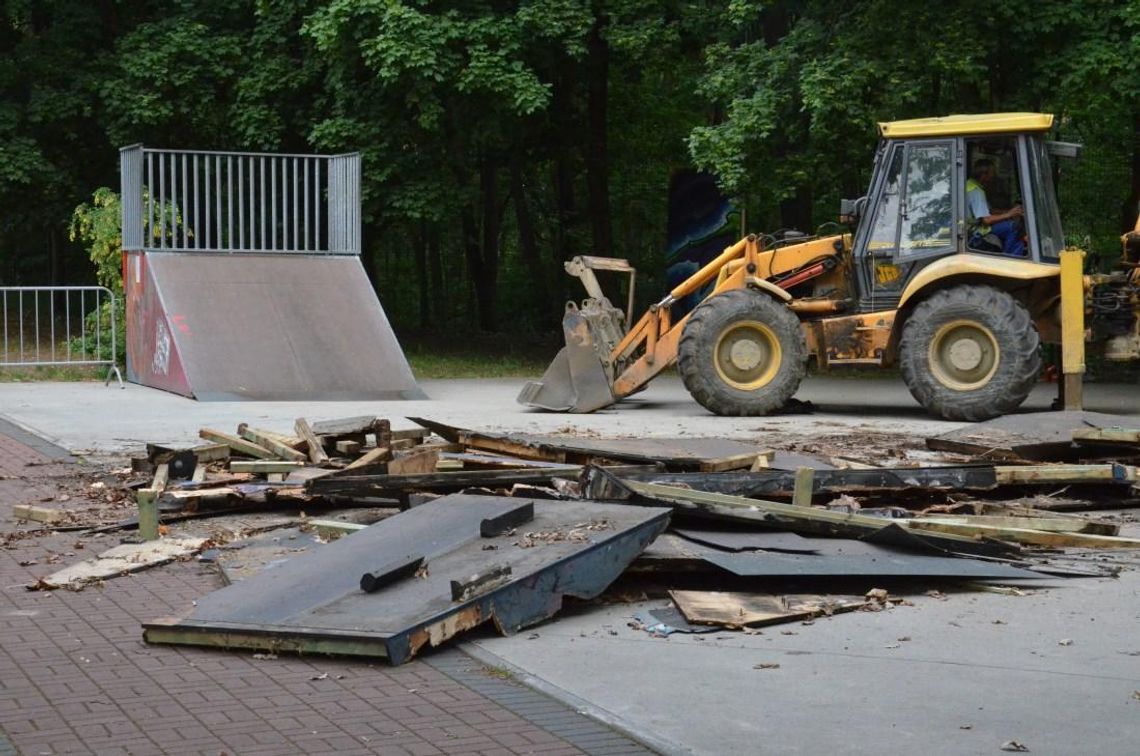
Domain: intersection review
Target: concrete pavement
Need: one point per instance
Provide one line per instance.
(974, 671)
(92, 418)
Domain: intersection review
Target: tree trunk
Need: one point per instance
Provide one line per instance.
(563, 174)
(597, 158)
(421, 244)
(481, 247)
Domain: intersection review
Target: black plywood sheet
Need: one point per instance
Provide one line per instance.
(315, 600)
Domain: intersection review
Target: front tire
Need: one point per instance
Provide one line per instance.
(970, 353)
(742, 353)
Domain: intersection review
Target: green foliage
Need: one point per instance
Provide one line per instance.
(98, 226)
(499, 137)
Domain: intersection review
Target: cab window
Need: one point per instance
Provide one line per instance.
(926, 207)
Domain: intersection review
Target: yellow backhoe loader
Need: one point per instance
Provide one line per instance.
(917, 282)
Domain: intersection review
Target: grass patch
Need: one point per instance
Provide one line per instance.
(476, 357)
(66, 373)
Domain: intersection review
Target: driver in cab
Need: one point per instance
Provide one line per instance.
(1004, 225)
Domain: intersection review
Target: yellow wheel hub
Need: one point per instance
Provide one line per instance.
(964, 355)
(747, 355)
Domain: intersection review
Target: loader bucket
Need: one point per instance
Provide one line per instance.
(576, 380)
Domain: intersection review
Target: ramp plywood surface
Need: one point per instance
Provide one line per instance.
(265, 327)
(314, 602)
(1000, 437)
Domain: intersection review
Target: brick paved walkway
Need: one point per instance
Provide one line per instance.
(75, 676)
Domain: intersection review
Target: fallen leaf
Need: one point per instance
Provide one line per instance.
(965, 727)
(322, 676)
(1065, 642)
(893, 645)
(904, 638)
(766, 665)
(1013, 745)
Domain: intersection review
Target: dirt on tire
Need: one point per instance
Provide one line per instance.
(1018, 361)
(696, 358)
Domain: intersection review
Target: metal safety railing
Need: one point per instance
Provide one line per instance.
(60, 326)
(240, 202)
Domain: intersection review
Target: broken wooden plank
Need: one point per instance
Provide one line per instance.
(802, 489)
(364, 485)
(1113, 435)
(333, 528)
(809, 519)
(1025, 535)
(161, 477)
(316, 450)
(681, 453)
(1052, 524)
(419, 435)
(211, 453)
(120, 560)
(485, 461)
(348, 447)
(742, 461)
(265, 466)
(414, 463)
(147, 500)
(736, 610)
(34, 513)
(345, 426)
(371, 457)
(1030, 474)
(269, 442)
(237, 444)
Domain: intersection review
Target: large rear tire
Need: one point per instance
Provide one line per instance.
(970, 353)
(742, 353)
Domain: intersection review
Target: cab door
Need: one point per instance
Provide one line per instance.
(911, 218)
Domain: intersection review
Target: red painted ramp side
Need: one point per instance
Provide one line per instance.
(152, 354)
(279, 327)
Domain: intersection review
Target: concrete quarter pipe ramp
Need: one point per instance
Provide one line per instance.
(243, 280)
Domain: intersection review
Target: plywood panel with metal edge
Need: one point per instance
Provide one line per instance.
(314, 603)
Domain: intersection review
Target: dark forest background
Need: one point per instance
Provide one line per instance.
(502, 138)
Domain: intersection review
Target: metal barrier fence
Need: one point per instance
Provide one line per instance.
(59, 325)
(194, 201)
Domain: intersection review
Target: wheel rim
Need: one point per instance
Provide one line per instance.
(748, 355)
(964, 355)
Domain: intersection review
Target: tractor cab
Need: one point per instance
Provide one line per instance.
(978, 185)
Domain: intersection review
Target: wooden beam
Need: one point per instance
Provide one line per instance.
(147, 500)
(317, 453)
(1051, 524)
(743, 461)
(1028, 474)
(268, 442)
(45, 515)
(239, 445)
(1026, 535)
(348, 447)
(345, 426)
(773, 513)
(265, 466)
(372, 457)
(1118, 435)
(211, 453)
(801, 494)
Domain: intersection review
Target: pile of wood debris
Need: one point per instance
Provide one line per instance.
(499, 514)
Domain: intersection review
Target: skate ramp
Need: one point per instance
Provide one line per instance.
(277, 327)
